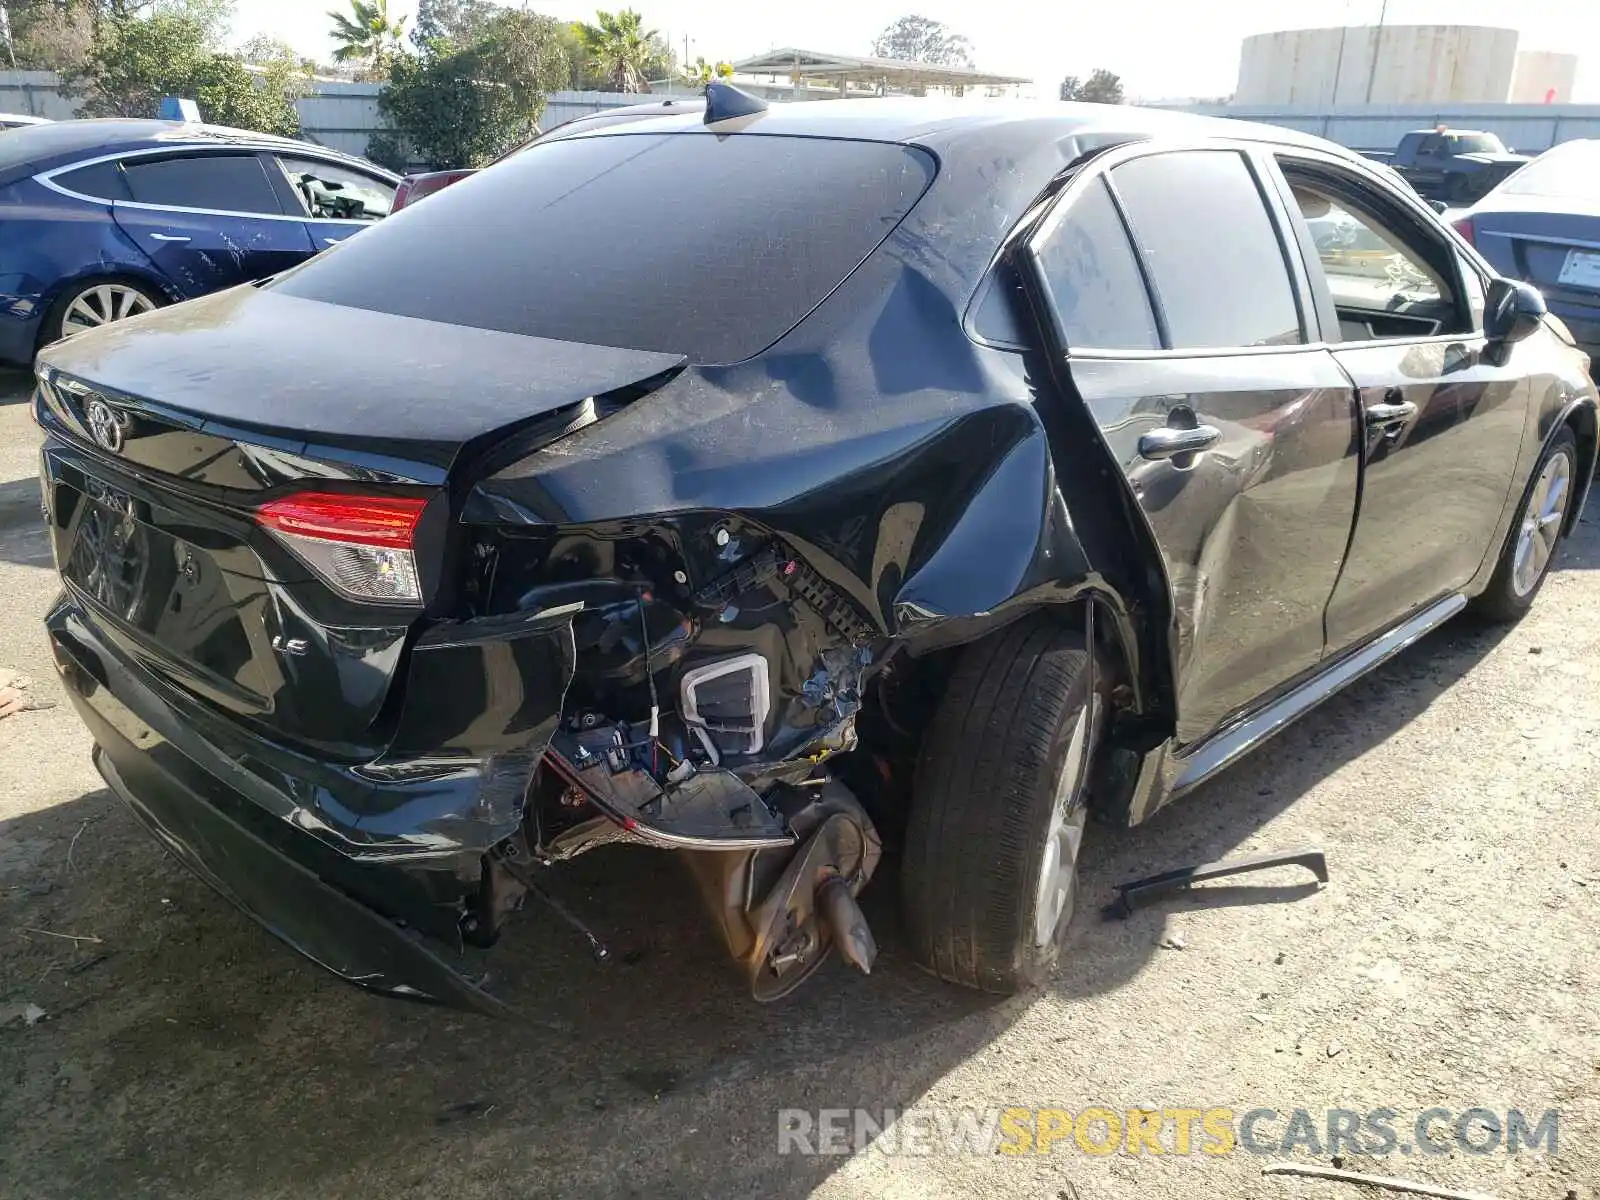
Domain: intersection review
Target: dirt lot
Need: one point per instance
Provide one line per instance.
(1451, 962)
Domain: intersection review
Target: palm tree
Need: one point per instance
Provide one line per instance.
(365, 34)
(618, 48)
(702, 72)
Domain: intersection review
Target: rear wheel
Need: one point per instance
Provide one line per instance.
(1531, 544)
(90, 305)
(990, 879)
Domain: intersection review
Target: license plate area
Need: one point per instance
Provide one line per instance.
(187, 615)
(1581, 269)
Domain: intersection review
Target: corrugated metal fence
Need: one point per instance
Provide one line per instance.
(1526, 127)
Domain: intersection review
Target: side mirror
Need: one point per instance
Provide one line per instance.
(1439, 206)
(1514, 310)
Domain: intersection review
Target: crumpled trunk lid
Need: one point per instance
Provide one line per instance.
(167, 434)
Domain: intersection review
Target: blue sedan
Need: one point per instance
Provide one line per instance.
(101, 220)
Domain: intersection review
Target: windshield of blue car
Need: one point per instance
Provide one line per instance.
(1571, 169)
(710, 247)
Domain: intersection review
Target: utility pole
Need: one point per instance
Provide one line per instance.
(1377, 45)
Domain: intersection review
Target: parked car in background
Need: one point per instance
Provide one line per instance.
(415, 187)
(109, 218)
(1543, 225)
(1453, 165)
(795, 474)
(17, 120)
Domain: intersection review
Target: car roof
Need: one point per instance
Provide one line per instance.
(33, 148)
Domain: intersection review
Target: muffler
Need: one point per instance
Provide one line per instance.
(780, 911)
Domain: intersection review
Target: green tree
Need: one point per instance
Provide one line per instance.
(1102, 87)
(620, 52)
(459, 21)
(50, 36)
(920, 39)
(137, 60)
(456, 105)
(702, 72)
(366, 34)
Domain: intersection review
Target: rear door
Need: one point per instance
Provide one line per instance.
(1179, 316)
(208, 219)
(1443, 421)
(335, 199)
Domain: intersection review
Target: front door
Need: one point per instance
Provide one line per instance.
(1442, 424)
(338, 201)
(209, 220)
(1180, 318)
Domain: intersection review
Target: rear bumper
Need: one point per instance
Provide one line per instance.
(359, 913)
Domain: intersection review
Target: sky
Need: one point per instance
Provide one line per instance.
(1161, 48)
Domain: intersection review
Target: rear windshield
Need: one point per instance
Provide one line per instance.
(1572, 169)
(688, 243)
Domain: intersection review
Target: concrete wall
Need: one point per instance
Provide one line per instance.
(1526, 127)
(1363, 64)
(1543, 77)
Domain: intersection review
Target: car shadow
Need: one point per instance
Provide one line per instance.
(185, 1052)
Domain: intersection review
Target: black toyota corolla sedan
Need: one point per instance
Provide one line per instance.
(777, 488)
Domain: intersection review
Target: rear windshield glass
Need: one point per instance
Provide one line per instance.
(688, 243)
(1568, 170)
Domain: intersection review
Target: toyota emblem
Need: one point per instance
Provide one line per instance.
(108, 427)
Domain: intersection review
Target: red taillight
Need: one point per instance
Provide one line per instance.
(1465, 229)
(355, 520)
(362, 545)
(402, 195)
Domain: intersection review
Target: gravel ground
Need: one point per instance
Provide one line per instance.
(1449, 963)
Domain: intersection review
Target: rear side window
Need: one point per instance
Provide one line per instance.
(101, 180)
(1211, 251)
(223, 182)
(712, 247)
(1093, 279)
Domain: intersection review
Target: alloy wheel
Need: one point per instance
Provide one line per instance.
(1541, 523)
(101, 305)
(1056, 893)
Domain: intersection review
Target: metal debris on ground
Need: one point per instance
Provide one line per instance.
(1133, 895)
(1388, 1182)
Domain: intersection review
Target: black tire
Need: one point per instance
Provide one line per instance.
(984, 797)
(50, 327)
(1503, 601)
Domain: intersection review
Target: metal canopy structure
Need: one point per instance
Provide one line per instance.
(883, 74)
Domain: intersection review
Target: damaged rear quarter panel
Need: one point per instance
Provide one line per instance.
(906, 465)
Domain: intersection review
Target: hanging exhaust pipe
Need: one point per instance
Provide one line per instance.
(780, 911)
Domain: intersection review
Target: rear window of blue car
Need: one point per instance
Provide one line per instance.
(697, 244)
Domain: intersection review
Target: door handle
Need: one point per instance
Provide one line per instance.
(1390, 413)
(1168, 442)
(167, 237)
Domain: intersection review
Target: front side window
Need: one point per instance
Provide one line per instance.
(1093, 279)
(218, 182)
(1380, 269)
(1211, 251)
(333, 192)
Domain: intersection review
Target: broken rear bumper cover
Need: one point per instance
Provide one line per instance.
(273, 831)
